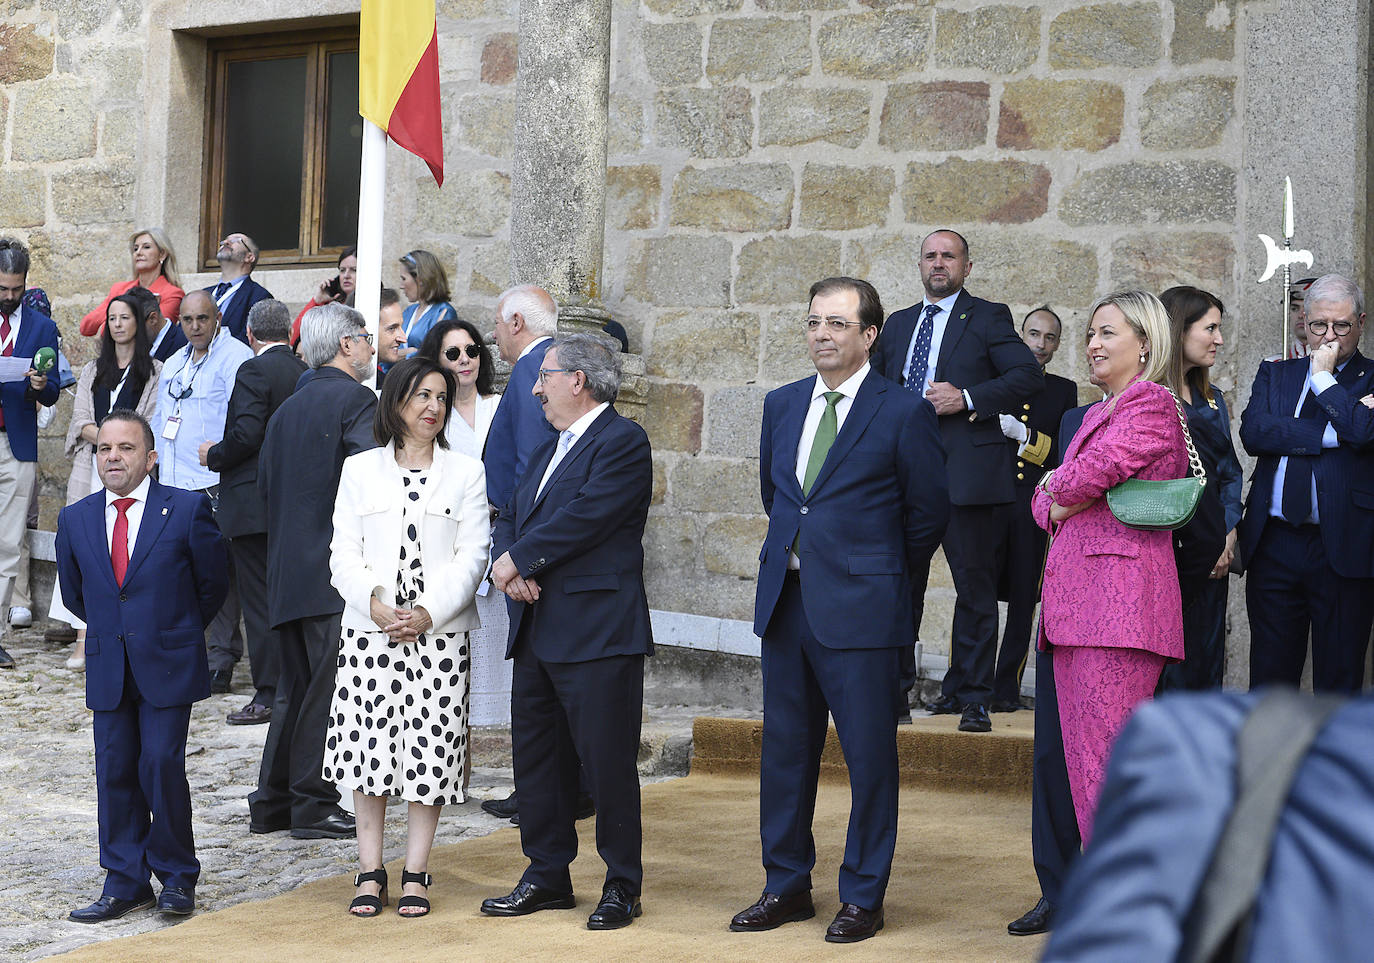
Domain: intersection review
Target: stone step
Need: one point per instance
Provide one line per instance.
(931, 752)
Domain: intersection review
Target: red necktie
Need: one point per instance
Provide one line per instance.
(119, 544)
(8, 350)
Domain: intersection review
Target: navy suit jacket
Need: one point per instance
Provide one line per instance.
(260, 387)
(177, 579)
(1344, 474)
(17, 398)
(874, 516)
(517, 429)
(982, 354)
(581, 540)
(235, 313)
(1170, 787)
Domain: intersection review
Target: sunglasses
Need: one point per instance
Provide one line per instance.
(471, 350)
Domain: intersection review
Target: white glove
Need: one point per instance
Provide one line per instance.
(1013, 429)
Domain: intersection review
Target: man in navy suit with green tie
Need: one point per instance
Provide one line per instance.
(853, 481)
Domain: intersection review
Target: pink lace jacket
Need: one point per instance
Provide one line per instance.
(1106, 584)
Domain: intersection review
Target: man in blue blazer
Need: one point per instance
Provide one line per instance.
(526, 318)
(569, 553)
(853, 481)
(146, 568)
(236, 292)
(23, 331)
(1308, 527)
(963, 355)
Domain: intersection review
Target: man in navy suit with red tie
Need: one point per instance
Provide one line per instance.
(1309, 517)
(146, 568)
(853, 480)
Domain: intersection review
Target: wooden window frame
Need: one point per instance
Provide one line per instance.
(316, 46)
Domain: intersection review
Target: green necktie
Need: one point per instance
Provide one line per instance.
(820, 445)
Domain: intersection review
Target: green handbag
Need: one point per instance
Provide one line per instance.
(1160, 506)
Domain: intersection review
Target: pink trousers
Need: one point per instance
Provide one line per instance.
(1098, 690)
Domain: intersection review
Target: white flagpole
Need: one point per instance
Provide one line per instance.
(371, 210)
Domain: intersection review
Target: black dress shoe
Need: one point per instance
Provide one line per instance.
(525, 899)
(1037, 920)
(109, 908)
(175, 901)
(261, 826)
(337, 825)
(501, 808)
(943, 706)
(771, 911)
(585, 807)
(6, 660)
(975, 719)
(618, 907)
(220, 680)
(253, 714)
(1005, 705)
(853, 923)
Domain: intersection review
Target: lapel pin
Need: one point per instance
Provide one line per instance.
(964, 315)
(164, 511)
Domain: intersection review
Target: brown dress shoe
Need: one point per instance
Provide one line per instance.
(771, 911)
(853, 923)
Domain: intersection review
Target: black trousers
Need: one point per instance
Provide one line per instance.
(264, 642)
(1290, 587)
(1204, 640)
(974, 550)
(1023, 562)
(1055, 842)
(291, 786)
(562, 712)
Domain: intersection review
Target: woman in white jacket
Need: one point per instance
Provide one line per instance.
(409, 547)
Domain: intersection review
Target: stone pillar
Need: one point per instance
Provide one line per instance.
(558, 178)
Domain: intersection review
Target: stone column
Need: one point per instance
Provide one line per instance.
(558, 178)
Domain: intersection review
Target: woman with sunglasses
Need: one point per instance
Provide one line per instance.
(459, 349)
(425, 286)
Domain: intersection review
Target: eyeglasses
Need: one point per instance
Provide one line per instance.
(365, 335)
(1342, 328)
(545, 372)
(833, 323)
(471, 350)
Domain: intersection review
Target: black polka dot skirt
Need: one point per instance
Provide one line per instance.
(398, 721)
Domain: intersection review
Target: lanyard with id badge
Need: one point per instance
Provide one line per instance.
(173, 425)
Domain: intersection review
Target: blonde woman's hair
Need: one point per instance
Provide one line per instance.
(1146, 315)
(164, 245)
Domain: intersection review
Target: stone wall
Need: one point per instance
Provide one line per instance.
(755, 146)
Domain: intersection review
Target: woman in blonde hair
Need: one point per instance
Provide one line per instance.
(1110, 604)
(155, 268)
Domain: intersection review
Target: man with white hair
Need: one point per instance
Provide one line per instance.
(1309, 517)
(327, 419)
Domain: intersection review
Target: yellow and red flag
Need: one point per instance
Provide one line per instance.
(398, 76)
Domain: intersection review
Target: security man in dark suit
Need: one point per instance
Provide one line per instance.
(569, 553)
(1308, 525)
(260, 386)
(850, 468)
(963, 355)
(327, 419)
(1032, 436)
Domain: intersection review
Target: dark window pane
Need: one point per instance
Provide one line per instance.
(343, 152)
(264, 141)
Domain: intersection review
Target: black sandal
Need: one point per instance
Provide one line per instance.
(406, 902)
(367, 902)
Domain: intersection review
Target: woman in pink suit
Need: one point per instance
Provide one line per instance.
(1110, 602)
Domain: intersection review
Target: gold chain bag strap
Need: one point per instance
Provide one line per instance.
(1157, 506)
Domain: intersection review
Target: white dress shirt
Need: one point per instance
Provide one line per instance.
(572, 432)
(534, 344)
(134, 514)
(1315, 383)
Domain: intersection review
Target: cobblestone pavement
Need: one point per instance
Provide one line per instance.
(48, 845)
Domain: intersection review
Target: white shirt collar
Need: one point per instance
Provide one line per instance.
(849, 387)
(139, 494)
(537, 341)
(946, 304)
(580, 426)
(265, 345)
